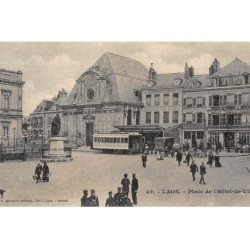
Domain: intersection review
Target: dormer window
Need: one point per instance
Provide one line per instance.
(246, 77)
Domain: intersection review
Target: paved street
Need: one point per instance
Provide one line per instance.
(104, 172)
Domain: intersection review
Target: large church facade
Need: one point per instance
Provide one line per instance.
(105, 96)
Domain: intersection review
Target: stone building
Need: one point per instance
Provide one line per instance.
(11, 85)
(162, 104)
(229, 104)
(104, 96)
(120, 93)
(216, 106)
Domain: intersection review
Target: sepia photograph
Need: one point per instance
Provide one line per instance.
(124, 124)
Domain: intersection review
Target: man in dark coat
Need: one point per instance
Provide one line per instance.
(118, 197)
(144, 159)
(134, 189)
(125, 184)
(85, 199)
(193, 169)
(188, 157)
(179, 157)
(202, 173)
(110, 202)
(93, 199)
(125, 201)
(38, 172)
(45, 177)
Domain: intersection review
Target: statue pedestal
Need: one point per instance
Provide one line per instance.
(56, 150)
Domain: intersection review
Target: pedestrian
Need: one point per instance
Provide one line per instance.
(179, 157)
(217, 161)
(172, 153)
(125, 184)
(93, 199)
(202, 173)
(45, 176)
(210, 159)
(144, 159)
(110, 202)
(125, 201)
(188, 157)
(85, 199)
(118, 197)
(193, 169)
(146, 149)
(134, 189)
(38, 172)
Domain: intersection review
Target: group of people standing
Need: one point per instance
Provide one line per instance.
(120, 199)
(194, 169)
(89, 201)
(42, 168)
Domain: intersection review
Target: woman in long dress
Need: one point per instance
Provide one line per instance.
(217, 161)
(210, 159)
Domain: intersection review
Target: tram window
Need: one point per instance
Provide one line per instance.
(122, 140)
(104, 139)
(115, 140)
(126, 140)
(118, 140)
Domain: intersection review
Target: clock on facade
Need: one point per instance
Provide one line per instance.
(90, 94)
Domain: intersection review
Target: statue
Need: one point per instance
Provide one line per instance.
(55, 126)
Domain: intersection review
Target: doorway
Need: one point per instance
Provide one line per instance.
(229, 139)
(89, 134)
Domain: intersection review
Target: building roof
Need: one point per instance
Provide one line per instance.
(45, 105)
(124, 74)
(11, 76)
(236, 67)
(204, 81)
(170, 80)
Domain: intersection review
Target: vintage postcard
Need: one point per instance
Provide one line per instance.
(124, 124)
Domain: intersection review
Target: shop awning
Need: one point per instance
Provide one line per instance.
(140, 128)
(148, 129)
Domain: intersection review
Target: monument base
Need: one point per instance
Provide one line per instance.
(56, 150)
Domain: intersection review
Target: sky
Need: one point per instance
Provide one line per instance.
(48, 66)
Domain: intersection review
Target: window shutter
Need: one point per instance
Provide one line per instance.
(239, 99)
(194, 102)
(193, 117)
(184, 102)
(235, 99)
(204, 101)
(210, 101)
(220, 100)
(224, 100)
(184, 118)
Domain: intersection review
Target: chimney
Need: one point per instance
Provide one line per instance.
(186, 71)
(152, 73)
(20, 74)
(191, 71)
(214, 67)
(62, 94)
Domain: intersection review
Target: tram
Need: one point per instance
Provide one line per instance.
(118, 142)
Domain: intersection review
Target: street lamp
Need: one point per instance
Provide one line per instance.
(14, 131)
(205, 130)
(42, 137)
